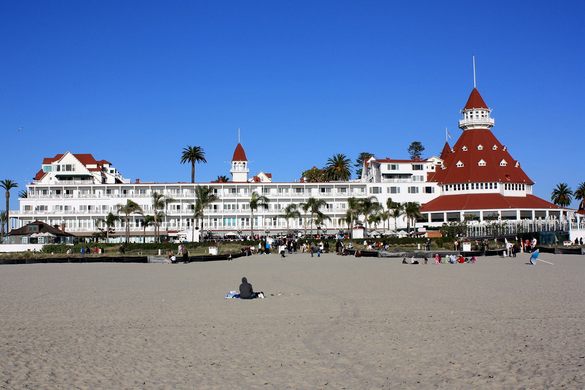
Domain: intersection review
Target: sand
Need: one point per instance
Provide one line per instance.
(330, 322)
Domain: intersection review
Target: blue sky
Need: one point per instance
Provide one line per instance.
(134, 82)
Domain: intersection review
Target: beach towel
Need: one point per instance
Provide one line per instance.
(232, 294)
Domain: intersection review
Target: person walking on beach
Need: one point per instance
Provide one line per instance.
(534, 256)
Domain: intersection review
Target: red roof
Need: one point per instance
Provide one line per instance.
(239, 154)
(446, 150)
(485, 202)
(473, 147)
(40, 174)
(84, 158)
(475, 100)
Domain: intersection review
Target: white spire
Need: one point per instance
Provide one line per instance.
(474, 83)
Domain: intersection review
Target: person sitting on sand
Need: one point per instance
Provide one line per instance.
(247, 291)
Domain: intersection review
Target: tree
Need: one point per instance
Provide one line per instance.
(222, 179)
(290, 211)
(412, 212)
(158, 203)
(375, 218)
(369, 206)
(397, 210)
(110, 222)
(8, 184)
(320, 219)
(23, 194)
(148, 221)
(256, 201)
(313, 206)
(2, 222)
(338, 168)
(204, 196)
(128, 209)
(580, 195)
(352, 213)
(193, 154)
(562, 195)
(359, 162)
(415, 150)
(314, 175)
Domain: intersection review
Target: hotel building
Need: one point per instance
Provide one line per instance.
(476, 179)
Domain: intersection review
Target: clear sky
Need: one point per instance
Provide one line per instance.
(133, 82)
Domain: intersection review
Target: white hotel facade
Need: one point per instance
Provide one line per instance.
(477, 175)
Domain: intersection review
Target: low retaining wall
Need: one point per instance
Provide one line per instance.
(11, 248)
(86, 259)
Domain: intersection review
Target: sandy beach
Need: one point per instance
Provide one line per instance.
(329, 322)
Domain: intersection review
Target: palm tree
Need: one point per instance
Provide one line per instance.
(127, 209)
(193, 154)
(204, 196)
(375, 219)
(320, 218)
(397, 210)
(255, 202)
(562, 195)
(148, 221)
(110, 222)
(352, 213)
(291, 211)
(385, 217)
(158, 203)
(313, 206)
(338, 168)
(580, 194)
(23, 194)
(8, 184)
(367, 207)
(222, 179)
(2, 222)
(412, 212)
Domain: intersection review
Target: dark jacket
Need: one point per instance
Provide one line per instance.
(246, 290)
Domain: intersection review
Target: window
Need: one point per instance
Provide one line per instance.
(479, 147)
(460, 164)
(481, 163)
(495, 147)
(503, 163)
(429, 190)
(464, 148)
(413, 190)
(375, 190)
(394, 190)
(393, 167)
(417, 167)
(418, 178)
(299, 190)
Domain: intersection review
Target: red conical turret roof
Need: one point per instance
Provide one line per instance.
(239, 154)
(479, 157)
(446, 150)
(475, 100)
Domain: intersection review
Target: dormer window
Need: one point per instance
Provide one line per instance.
(517, 164)
(479, 147)
(505, 148)
(495, 147)
(464, 148)
(459, 164)
(481, 163)
(503, 163)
